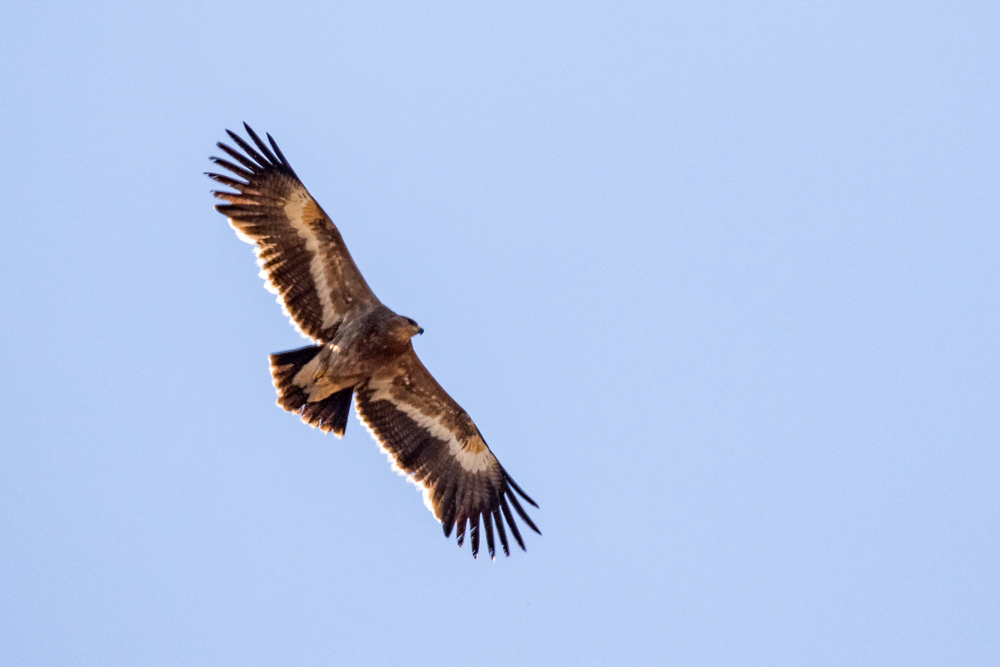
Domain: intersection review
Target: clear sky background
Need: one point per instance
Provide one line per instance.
(717, 281)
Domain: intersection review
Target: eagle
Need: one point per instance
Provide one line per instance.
(361, 349)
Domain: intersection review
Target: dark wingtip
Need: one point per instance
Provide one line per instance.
(232, 135)
(520, 491)
(474, 536)
(488, 524)
(505, 508)
(277, 151)
(520, 511)
(501, 532)
(239, 171)
(261, 145)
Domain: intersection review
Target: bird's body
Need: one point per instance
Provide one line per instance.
(362, 349)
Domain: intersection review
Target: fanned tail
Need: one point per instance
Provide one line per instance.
(327, 411)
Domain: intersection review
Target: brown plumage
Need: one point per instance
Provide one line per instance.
(361, 348)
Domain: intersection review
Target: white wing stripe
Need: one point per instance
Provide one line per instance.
(294, 210)
(469, 461)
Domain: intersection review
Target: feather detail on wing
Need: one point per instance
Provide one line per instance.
(431, 440)
(302, 256)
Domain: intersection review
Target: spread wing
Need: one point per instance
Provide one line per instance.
(429, 438)
(302, 256)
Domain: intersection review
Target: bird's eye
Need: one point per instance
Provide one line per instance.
(412, 323)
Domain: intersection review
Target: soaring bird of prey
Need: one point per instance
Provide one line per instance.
(362, 349)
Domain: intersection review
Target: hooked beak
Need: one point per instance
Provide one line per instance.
(420, 330)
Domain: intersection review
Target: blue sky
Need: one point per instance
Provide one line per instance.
(718, 283)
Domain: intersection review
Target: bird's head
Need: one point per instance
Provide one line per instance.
(404, 328)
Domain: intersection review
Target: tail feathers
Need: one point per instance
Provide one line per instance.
(328, 413)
